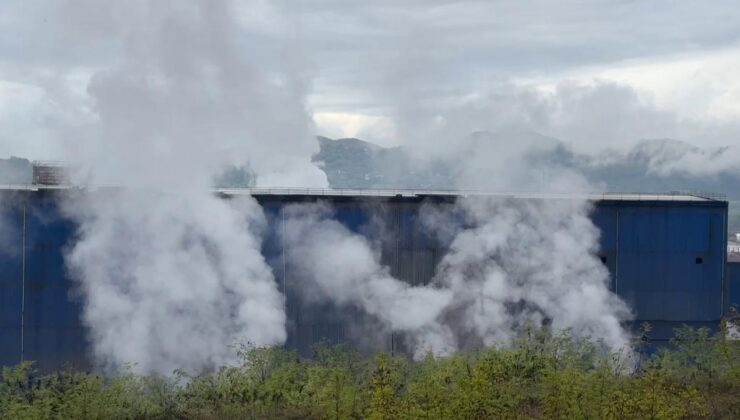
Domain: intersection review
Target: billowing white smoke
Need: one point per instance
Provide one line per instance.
(184, 99)
(342, 267)
(528, 262)
(511, 264)
(175, 280)
(172, 281)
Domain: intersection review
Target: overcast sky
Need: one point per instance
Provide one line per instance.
(594, 73)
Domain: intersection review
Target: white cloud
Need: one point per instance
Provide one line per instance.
(378, 129)
(697, 86)
(372, 64)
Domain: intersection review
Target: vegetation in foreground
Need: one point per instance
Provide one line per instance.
(540, 376)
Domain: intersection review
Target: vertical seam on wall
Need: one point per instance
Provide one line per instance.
(616, 264)
(724, 298)
(285, 250)
(23, 278)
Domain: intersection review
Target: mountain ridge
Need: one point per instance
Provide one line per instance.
(355, 163)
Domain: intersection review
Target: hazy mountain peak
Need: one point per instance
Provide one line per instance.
(670, 156)
(652, 165)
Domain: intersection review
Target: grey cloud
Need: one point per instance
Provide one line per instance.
(466, 44)
(376, 57)
(600, 119)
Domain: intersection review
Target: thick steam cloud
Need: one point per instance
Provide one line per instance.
(511, 264)
(175, 278)
(342, 267)
(528, 262)
(173, 281)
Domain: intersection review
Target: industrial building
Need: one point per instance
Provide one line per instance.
(733, 285)
(666, 255)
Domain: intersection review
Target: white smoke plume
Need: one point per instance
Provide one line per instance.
(342, 267)
(175, 278)
(511, 263)
(528, 262)
(184, 91)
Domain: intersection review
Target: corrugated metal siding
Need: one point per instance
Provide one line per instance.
(11, 211)
(669, 261)
(53, 330)
(406, 250)
(650, 248)
(733, 276)
(410, 252)
(41, 320)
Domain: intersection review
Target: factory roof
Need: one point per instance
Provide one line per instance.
(328, 192)
(466, 193)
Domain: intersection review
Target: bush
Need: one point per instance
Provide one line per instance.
(541, 375)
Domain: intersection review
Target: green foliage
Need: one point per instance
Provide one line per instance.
(386, 386)
(540, 375)
(335, 383)
(69, 394)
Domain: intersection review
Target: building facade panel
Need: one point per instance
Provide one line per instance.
(666, 259)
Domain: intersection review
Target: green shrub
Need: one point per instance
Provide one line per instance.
(540, 375)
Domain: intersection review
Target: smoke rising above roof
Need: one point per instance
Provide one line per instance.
(186, 91)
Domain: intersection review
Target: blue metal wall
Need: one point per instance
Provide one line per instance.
(11, 273)
(733, 285)
(667, 260)
(40, 317)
